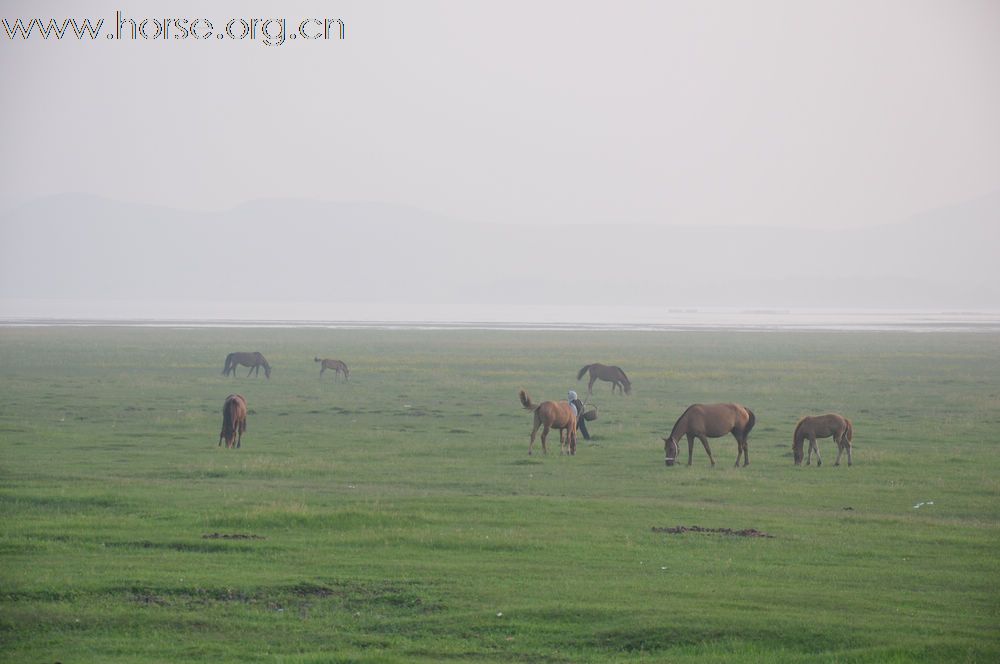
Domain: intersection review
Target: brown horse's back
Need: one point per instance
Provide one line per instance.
(713, 420)
(558, 414)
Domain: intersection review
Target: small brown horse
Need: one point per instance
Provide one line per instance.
(234, 420)
(552, 415)
(823, 426)
(704, 421)
(612, 374)
(334, 365)
(253, 360)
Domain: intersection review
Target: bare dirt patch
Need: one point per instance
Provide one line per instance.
(679, 530)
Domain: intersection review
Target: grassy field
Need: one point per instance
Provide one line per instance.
(398, 518)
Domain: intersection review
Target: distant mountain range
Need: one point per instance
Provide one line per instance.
(75, 246)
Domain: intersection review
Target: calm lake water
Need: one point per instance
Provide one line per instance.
(500, 317)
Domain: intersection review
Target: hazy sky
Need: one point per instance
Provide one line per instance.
(820, 114)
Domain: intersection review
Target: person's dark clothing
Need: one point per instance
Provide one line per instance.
(581, 424)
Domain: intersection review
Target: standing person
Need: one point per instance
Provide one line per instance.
(577, 406)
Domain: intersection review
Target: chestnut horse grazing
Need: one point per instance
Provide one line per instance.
(334, 365)
(704, 421)
(234, 420)
(253, 360)
(823, 426)
(613, 375)
(552, 415)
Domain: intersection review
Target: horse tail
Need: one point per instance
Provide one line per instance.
(849, 433)
(228, 420)
(750, 422)
(582, 371)
(526, 401)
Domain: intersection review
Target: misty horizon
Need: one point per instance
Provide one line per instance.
(774, 155)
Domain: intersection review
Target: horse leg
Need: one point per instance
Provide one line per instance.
(590, 385)
(532, 442)
(814, 445)
(843, 444)
(572, 442)
(562, 442)
(704, 441)
(545, 434)
(690, 447)
(741, 449)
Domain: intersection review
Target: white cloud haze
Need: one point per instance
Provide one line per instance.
(808, 117)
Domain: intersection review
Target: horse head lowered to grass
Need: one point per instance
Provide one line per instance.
(614, 375)
(253, 360)
(704, 421)
(823, 426)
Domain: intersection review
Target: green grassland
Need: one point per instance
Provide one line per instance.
(398, 517)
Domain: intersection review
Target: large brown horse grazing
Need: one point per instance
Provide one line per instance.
(704, 421)
(612, 374)
(823, 426)
(253, 360)
(552, 415)
(334, 365)
(234, 420)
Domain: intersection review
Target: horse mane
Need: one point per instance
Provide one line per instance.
(526, 401)
(582, 371)
(797, 436)
(683, 415)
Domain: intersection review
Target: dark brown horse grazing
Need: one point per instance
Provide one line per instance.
(612, 374)
(253, 360)
(704, 421)
(823, 426)
(234, 420)
(552, 415)
(335, 365)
